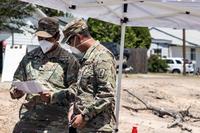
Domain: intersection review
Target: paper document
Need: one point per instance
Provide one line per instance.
(30, 87)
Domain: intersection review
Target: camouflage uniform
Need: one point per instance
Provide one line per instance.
(94, 90)
(56, 70)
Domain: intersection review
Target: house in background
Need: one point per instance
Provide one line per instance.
(167, 42)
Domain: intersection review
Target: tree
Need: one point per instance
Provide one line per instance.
(51, 12)
(137, 37)
(104, 32)
(12, 13)
(143, 37)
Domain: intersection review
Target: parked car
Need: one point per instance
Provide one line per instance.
(175, 65)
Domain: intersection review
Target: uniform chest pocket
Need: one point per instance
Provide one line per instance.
(52, 73)
(86, 76)
(57, 76)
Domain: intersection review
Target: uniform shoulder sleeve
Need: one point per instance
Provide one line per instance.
(20, 73)
(105, 80)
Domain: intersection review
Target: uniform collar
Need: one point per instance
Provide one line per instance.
(89, 51)
(54, 53)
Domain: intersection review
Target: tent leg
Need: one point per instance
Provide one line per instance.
(119, 78)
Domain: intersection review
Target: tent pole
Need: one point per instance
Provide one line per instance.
(119, 78)
(13, 38)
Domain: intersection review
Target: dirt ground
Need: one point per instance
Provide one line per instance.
(164, 91)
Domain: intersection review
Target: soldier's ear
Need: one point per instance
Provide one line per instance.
(79, 37)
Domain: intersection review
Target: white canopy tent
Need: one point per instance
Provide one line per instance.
(155, 13)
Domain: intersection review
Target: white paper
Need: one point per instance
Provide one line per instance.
(30, 87)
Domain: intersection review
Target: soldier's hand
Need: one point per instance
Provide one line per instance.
(16, 94)
(45, 96)
(70, 113)
(78, 121)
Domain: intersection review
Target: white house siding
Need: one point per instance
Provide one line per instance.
(163, 47)
(197, 57)
(177, 51)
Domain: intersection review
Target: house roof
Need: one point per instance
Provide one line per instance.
(175, 35)
(161, 41)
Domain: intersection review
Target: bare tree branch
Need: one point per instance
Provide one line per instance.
(179, 116)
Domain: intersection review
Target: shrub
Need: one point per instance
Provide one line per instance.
(156, 64)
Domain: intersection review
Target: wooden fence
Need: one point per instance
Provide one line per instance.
(138, 60)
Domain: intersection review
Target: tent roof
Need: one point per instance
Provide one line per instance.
(152, 13)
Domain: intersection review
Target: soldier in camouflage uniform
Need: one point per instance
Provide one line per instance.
(93, 108)
(54, 68)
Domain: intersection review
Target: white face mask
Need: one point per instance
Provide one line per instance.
(75, 51)
(45, 45)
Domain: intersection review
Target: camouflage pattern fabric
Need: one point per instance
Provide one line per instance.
(94, 90)
(47, 27)
(56, 70)
(74, 27)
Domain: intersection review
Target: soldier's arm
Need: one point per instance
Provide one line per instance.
(105, 73)
(71, 71)
(67, 95)
(20, 73)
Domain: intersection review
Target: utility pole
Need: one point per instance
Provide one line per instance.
(184, 70)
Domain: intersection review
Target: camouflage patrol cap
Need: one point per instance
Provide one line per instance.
(74, 27)
(47, 27)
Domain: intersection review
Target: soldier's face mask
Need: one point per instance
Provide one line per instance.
(72, 43)
(76, 51)
(75, 44)
(45, 45)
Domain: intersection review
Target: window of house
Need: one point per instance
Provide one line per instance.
(158, 51)
(193, 54)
